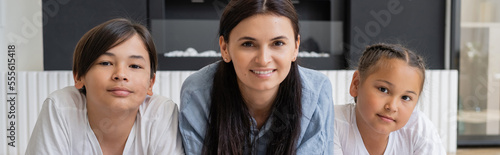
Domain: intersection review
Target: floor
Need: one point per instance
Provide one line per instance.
(477, 151)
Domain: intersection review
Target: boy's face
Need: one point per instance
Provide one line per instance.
(120, 78)
(386, 97)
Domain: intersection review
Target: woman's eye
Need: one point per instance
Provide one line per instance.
(279, 43)
(135, 66)
(406, 98)
(382, 89)
(247, 44)
(105, 63)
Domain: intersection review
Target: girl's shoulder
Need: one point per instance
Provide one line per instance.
(344, 114)
(419, 126)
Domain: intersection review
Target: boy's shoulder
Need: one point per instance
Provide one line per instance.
(157, 105)
(67, 97)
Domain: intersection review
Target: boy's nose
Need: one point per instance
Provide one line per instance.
(120, 74)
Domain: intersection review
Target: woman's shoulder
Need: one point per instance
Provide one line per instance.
(314, 81)
(200, 79)
(308, 73)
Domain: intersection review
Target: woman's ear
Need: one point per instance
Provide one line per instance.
(353, 90)
(223, 50)
(151, 83)
(79, 83)
(296, 52)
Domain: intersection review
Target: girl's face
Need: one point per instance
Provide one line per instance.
(262, 48)
(386, 97)
(120, 78)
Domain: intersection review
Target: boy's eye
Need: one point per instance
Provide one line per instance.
(382, 89)
(105, 63)
(279, 43)
(247, 44)
(406, 98)
(135, 66)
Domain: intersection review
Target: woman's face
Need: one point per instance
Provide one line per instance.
(262, 48)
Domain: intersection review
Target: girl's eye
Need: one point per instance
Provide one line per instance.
(279, 43)
(105, 63)
(135, 66)
(247, 44)
(406, 98)
(382, 89)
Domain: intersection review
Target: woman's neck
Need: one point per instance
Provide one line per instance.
(375, 143)
(259, 104)
(110, 127)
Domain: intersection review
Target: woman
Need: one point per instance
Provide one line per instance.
(257, 100)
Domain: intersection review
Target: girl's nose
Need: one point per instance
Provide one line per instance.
(392, 104)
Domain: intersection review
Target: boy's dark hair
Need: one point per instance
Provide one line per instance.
(105, 36)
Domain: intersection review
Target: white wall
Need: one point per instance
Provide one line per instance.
(21, 25)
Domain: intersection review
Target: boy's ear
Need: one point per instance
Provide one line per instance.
(78, 82)
(353, 90)
(151, 83)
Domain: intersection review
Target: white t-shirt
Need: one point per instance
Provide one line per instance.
(418, 136)
(63, 128)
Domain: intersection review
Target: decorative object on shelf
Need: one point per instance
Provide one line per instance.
(191, 52)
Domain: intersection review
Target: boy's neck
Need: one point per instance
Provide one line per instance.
(375, 143)
(111, 128)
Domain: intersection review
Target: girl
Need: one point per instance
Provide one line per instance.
(111, 109)
(386, 88)
(257, 100)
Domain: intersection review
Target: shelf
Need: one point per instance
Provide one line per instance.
(196, 63)
(480, 24)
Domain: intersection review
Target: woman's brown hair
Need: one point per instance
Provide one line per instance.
(228, 130)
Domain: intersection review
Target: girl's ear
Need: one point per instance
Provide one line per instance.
(353, 90)
(151, 83)
(79, 83)
(223, 50)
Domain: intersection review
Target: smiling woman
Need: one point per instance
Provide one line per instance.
(111, 109)
(257, 100)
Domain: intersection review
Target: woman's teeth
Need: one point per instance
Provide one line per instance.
(263, 72)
